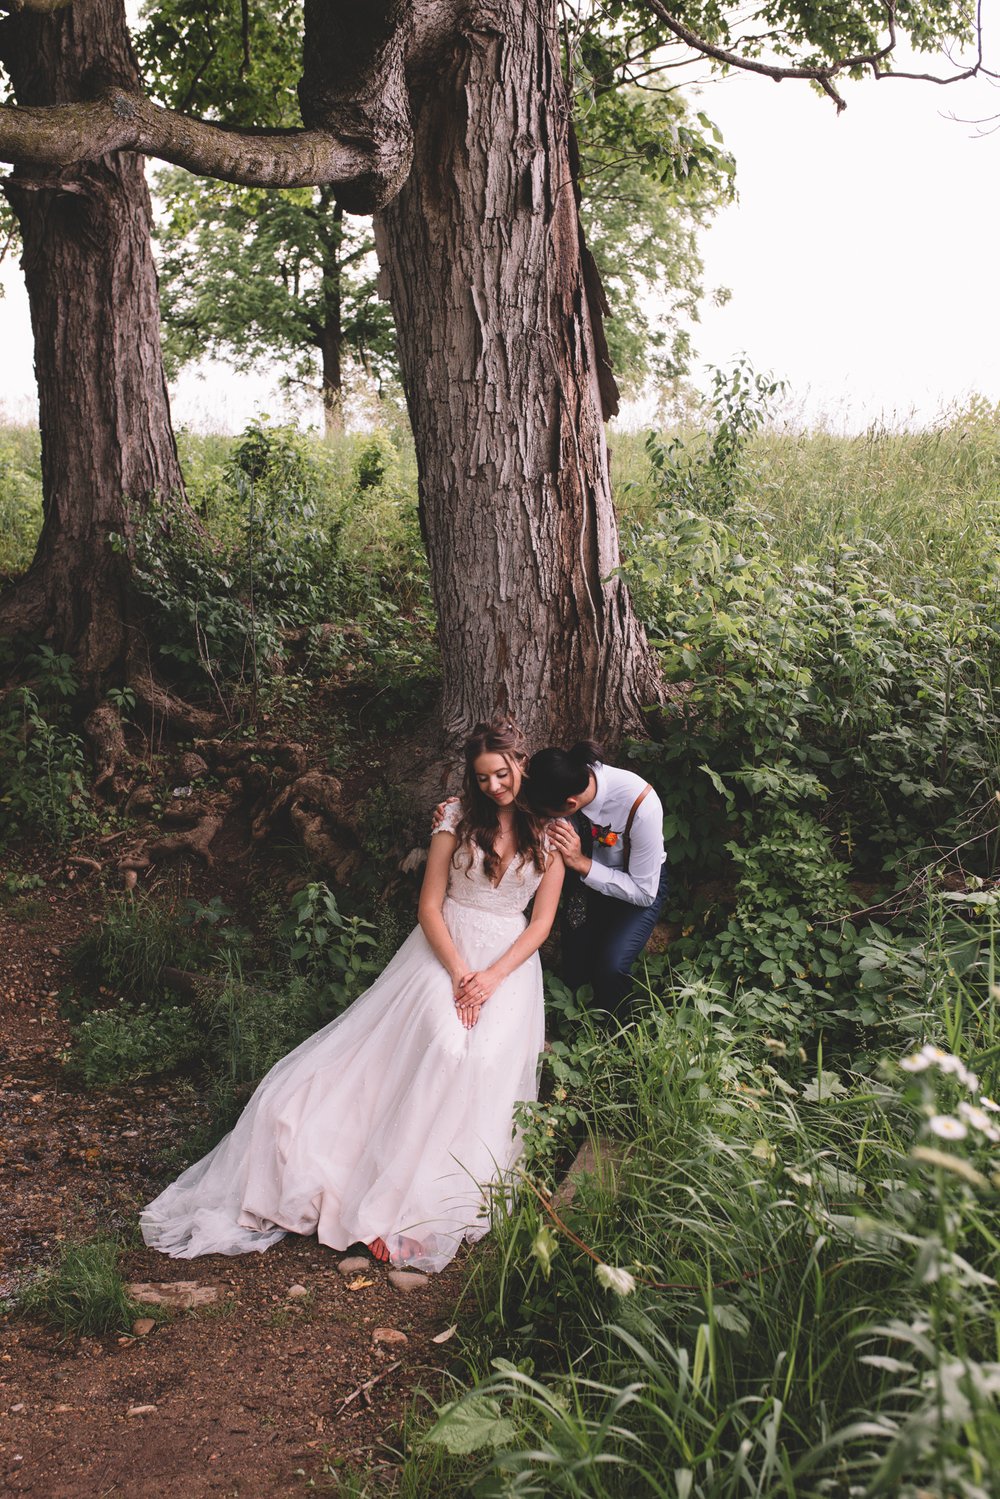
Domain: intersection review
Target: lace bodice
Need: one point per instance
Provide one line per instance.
(468, 884)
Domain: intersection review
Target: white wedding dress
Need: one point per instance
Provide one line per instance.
(394, 1121)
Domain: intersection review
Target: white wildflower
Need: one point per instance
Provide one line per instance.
(947, 1128)
(933, 1056)
(980, 1120)
(989, 1104)
(612, 1278)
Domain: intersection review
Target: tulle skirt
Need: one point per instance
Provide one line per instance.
(394, 1121)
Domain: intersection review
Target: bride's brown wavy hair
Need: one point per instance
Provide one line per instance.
(480, 818)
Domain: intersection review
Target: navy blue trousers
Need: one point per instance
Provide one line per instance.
(604, 949)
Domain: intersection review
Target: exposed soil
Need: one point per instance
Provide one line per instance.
(242, 1397)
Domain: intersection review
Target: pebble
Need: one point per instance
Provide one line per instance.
(296, 1293)
(407, 1280)
(353, 1265)
(389, 1335)
(142, 1325)
(141, 1410)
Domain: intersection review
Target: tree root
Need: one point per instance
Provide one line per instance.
(164, 709)
(196, 841)
(103, 728)
(312, 807)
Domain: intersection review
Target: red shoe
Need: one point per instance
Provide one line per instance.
(379, 1251)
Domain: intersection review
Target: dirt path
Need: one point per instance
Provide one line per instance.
(242, 1397)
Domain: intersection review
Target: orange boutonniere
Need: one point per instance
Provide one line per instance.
(604, 836)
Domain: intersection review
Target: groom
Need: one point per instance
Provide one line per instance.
(609, 830)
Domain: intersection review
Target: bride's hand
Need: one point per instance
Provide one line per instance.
(474, 990)
(440, 810)
(478, 987)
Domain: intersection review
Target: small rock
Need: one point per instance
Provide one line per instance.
(407, 1280)
(353, 1265)
(142, 1325)
(389, 1335)
(62, 1410)
(296, 1293)
(141, 1410)
(18, 1407)
(190, 766)
(179, 1294)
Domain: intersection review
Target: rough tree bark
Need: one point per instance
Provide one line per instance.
(103, 410)
(501, 349)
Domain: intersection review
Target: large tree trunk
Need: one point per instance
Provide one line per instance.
(107, 443)
(484, 266)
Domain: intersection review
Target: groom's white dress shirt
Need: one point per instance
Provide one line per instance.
(616, 794)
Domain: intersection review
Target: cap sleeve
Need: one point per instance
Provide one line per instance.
(450, 818)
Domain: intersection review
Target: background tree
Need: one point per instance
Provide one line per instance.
(250, 275)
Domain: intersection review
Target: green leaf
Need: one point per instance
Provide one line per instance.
(469, 1425)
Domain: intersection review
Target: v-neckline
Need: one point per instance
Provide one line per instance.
(503, 872)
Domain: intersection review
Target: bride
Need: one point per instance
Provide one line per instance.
(387, 1126)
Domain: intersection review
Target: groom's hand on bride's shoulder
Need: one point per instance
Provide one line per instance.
(440, 810)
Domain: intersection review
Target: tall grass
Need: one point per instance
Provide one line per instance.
(930, 499)
(82, 1292)
(20, 496)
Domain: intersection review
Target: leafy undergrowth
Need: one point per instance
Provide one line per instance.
(781, 1281)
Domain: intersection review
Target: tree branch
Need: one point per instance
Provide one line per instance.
(355, 107)
(36, 7)
(822, 75)
(59, 135)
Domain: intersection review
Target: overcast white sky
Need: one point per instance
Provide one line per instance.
(861, 257)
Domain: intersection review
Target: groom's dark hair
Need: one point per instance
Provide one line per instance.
(554, 775)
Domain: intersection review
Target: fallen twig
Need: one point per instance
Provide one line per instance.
(363, 1389)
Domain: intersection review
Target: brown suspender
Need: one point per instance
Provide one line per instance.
(627, 835)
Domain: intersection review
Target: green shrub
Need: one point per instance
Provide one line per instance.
(328, 947)
(42, 761)
(83, 1292)
(123, 1044)
(827, 734)
(20, 498)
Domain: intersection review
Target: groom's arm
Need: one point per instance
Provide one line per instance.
(639, 886)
